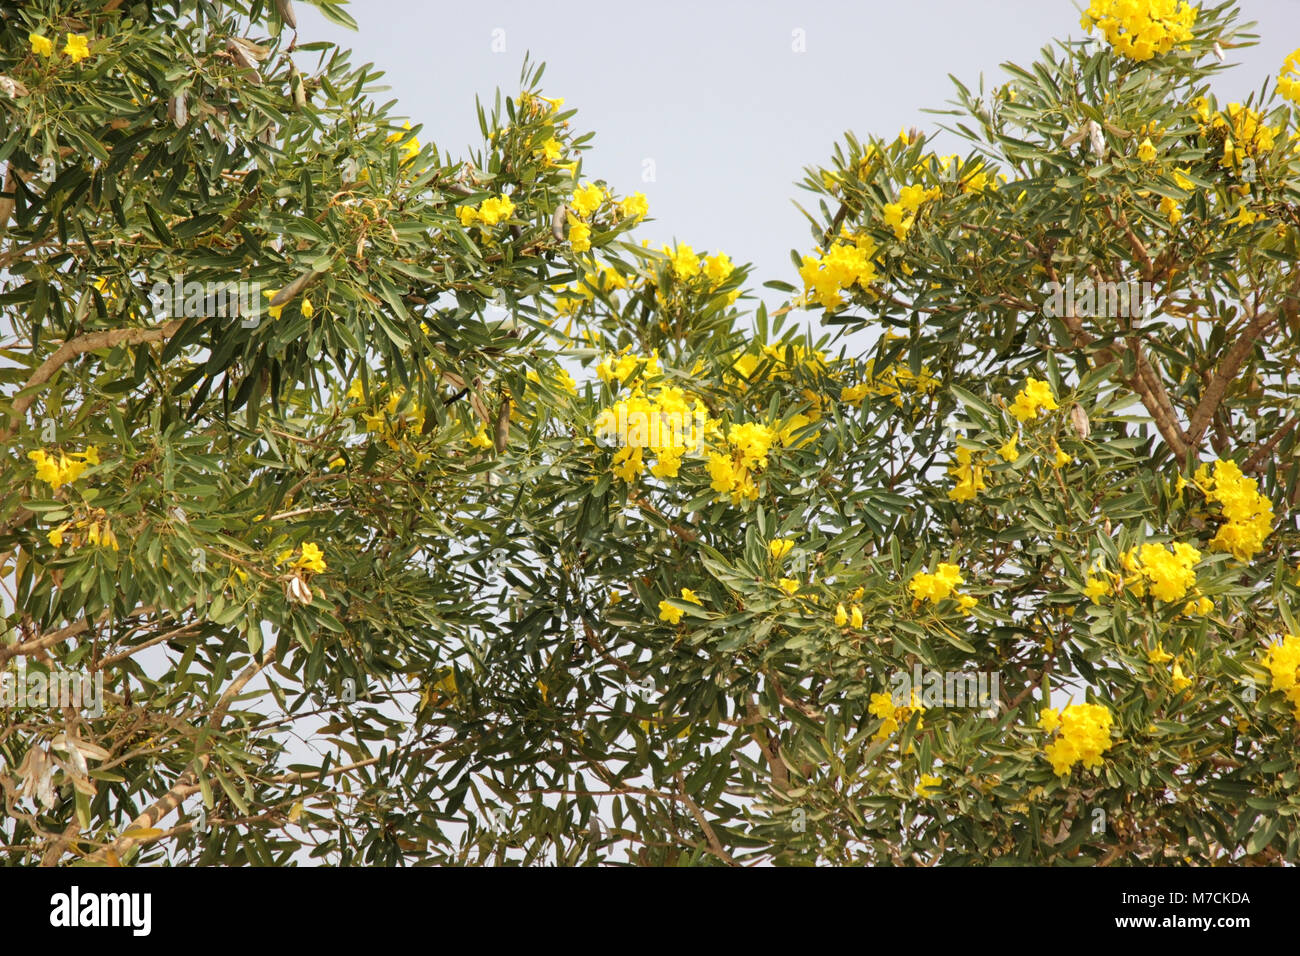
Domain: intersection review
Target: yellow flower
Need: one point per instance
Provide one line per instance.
(587, 199)
(689, 595)
(855, 617)
(634, 207)
(1008, 450)
(938, 586)
(1096, 589)
(1249, 514)
(1036, 395)
(1168, 573)
(927, 783)
(272, 310)
(966, 602)
(310, 558)
(1141, 29)
(684, 263)
(579, 234)
(481, 439)
(841, 615)
(40, 45)
(1158, 654)
(1084, 735)
(1283, 662)
(57, 472)
(1288, 79)
(1147, 151)
(76, 48)
(788, 586)
(1061, 459)
(495, 209)
(718, 268)
(669, 613)
(308, 310)
(779, 548)
(411, 148)
(1180, 679)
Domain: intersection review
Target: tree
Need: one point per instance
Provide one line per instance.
(473, 530)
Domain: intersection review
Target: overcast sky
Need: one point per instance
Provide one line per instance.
(715, 94)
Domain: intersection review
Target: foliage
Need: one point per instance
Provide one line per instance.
(403, 569)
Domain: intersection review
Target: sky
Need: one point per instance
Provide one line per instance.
(715, 109)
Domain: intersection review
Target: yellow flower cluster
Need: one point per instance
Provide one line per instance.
(1139, 29)
(732, 470)
(941, 585)
(1084, 735)
(674, 614)
(1245, 135)
(1036, 395)
(96, 527)
(584, 203)
(851, 616)
(891, 384)
(64, 469)
(588, 200)
(490, 212)
(395, 420)
(969, 475)
(659, 419)
(894, 716)
(703, 273)
(309, 558)
(1249, 514)
(1288, 78)
(1283, 662)
(844, 265)
(76, 47)
(634, 207)
(901, 215)
(1168, 574)
(617, 369)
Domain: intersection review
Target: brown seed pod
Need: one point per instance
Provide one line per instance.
(1079, 421)
(286, 13)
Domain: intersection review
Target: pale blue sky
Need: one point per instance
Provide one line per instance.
(714, 92)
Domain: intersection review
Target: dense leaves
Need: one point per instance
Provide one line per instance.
(399, 557)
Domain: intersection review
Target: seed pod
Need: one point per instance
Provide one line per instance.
(557, 222)
(293, 288)
(1096, 140)
(286, 13)
(11, 87)
(177, 110)
(502, 436)
(296, 590)
(1079, 420)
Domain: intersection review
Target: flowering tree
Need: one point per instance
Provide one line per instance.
(410, 510)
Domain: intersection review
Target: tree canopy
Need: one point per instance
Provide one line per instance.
(412, 510)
